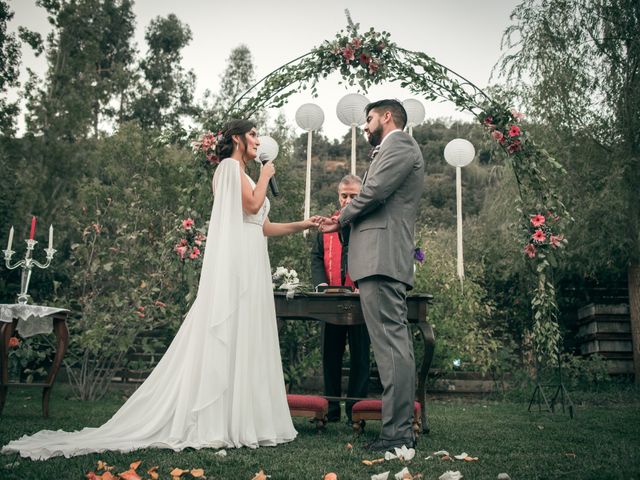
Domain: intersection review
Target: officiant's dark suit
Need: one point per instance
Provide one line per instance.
(381, 219)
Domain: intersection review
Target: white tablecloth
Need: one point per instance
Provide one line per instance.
(32, 319)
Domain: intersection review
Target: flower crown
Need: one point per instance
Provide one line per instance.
(206, 145)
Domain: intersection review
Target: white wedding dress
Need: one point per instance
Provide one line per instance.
(220, 383)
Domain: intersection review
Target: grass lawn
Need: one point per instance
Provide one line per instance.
(601, 442)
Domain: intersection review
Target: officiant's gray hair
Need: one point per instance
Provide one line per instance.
(224, 148)
(350, 180)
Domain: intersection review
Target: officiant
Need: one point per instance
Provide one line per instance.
(329, 268)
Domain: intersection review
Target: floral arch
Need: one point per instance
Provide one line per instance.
(369, 58)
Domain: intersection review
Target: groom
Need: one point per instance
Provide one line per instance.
(381, 219)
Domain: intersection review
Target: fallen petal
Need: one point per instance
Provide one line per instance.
(176, 472)
(446, 458)
(92, 476)
(450, 475)
(152, 472)
(470, 459)
(260, 476)
(197, 472)
(349, 446)
(405, 453)
(135, 465)
(401, 475)
(221, 453)
(504, 476)
(129, 475)
(389, 456)
(108, 476)
(381, 476)
(462, 456)
(440, 453)
(330, 476)
(373, 462)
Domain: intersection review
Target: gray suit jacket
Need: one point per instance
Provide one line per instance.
(383, 215)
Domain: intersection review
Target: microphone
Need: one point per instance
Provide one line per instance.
(268, 150)
(273, 185)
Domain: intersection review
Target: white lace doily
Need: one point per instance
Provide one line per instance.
(32, 319)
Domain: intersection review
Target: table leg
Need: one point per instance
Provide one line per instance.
(6, 330)
(61, 332)
(429, 340)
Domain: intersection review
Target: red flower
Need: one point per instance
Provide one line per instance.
(488, 122)
(213, 158)
(538, 236)
(514, 146)
(537, 220)
(348, 53)
(195, 253)
(364, 58)
(497, 135)
(555, 240)
(14, 342)
(514, 131)
(530, 250)
(187, 223)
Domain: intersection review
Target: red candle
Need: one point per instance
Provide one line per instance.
(33, 228)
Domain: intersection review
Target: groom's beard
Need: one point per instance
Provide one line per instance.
(375, 136)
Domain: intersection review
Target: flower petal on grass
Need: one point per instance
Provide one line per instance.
(470, 459)
(177, 472)
(135, 465)
(197, 472)
(405, 453)
(389, 456)
(260, 476)
(221, 453)
(380, 476)
(440, 453)
(403, 474)
(450, 475)
(373, 462)
(130, 475)
(153, 473)
(330, 476)
(108, 476)
(462, 456)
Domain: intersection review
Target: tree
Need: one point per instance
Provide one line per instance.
(576, 66)
(166, 90)
(9, 63)
(90, 55)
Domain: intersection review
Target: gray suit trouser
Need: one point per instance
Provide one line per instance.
(384, 307)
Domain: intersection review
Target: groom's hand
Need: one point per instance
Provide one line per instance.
(329, 224)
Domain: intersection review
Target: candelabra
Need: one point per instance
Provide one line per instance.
(27, 265)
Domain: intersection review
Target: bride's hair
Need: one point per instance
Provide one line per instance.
(224, 148)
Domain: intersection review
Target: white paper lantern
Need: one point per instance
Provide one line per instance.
(309, 117)
(459, 152)
(415, 111)
(268, 149)
(350, 109)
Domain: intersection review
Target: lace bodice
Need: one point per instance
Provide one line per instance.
(259, 217)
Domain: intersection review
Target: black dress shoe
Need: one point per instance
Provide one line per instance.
(382, 445)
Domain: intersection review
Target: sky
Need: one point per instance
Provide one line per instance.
(464, 35)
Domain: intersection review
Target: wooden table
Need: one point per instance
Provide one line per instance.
(344, 309)
(61, 332)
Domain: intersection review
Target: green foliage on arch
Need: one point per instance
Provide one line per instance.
(370, 58)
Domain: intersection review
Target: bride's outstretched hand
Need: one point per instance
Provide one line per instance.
(312, 222)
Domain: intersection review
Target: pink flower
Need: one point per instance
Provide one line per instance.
(537, 220)
(195, 253)
(373, 67)
(497, 135)
(14, 342)
(187, 223)
(555, 240)
(213, 158)
(181, 250)
(514, 146)
(538, 236)
(356, 42)
(160, 304)
(514, 131)
(530, 250)
(517, 115)
(488, 122)
(348, 53)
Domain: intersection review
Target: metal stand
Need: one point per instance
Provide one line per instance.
(561, 394)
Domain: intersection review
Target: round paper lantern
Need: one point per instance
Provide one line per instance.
(309, 117)
(459, 152)
(350, 109)
(415, 111)
(268, 149)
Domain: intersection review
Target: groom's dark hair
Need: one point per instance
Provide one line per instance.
(224, 148)
(398, 112)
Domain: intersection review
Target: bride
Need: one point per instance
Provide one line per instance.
(220, 382)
